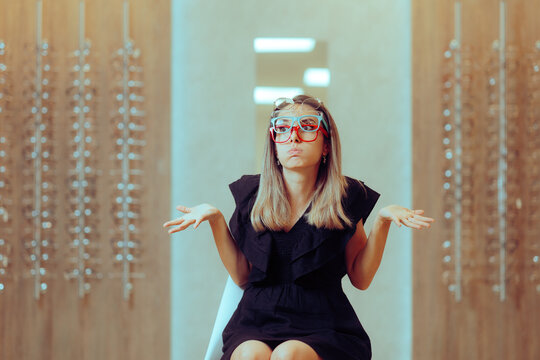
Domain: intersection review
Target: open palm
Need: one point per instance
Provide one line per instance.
(192, 216)
(411, 218)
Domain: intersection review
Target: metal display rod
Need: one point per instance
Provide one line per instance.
(83, 175)
(129, 139)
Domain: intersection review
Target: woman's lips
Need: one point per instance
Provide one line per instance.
(294, 151)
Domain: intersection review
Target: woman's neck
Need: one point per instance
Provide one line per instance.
(300, 185)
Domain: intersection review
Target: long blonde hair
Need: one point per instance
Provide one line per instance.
(272, 209)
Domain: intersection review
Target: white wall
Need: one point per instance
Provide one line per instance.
(213, 75)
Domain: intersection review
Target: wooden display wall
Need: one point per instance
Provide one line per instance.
(476, 93)
(84, 261)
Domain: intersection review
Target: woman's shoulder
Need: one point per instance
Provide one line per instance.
(246, 182)
(248, 179)
(245, 187)
(354, 186)
(359, 199)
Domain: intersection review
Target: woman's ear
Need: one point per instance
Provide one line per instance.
(325, 149)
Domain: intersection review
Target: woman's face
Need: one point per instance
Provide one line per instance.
(295, 153)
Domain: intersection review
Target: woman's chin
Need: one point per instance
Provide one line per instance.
(297, 164)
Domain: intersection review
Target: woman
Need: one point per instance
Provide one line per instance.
(296, 231)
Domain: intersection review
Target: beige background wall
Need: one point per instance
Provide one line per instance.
(213, 76)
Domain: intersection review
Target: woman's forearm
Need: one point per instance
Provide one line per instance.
(369, 258)
(232, 257)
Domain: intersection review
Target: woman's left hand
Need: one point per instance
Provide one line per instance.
(407, 217)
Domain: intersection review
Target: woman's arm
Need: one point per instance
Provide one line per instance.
(232, 257)
(363, 255)
(234, 260)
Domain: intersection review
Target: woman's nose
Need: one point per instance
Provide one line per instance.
(294, 134)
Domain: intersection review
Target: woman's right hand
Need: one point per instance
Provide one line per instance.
(194, 215)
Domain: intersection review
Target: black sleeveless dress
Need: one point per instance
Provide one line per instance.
(294, 289)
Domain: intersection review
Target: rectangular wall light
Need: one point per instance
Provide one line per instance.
(266, 45)
(317, 77)
(267, 94)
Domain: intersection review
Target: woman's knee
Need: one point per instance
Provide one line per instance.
(252, 350)
(294, 349)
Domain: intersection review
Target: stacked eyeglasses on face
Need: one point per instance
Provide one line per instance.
(309, 123)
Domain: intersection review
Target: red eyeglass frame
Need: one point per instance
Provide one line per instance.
(295, 128)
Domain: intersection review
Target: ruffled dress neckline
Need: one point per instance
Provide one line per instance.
(313, 248)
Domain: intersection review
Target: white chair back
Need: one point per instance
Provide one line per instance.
(229, 302)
